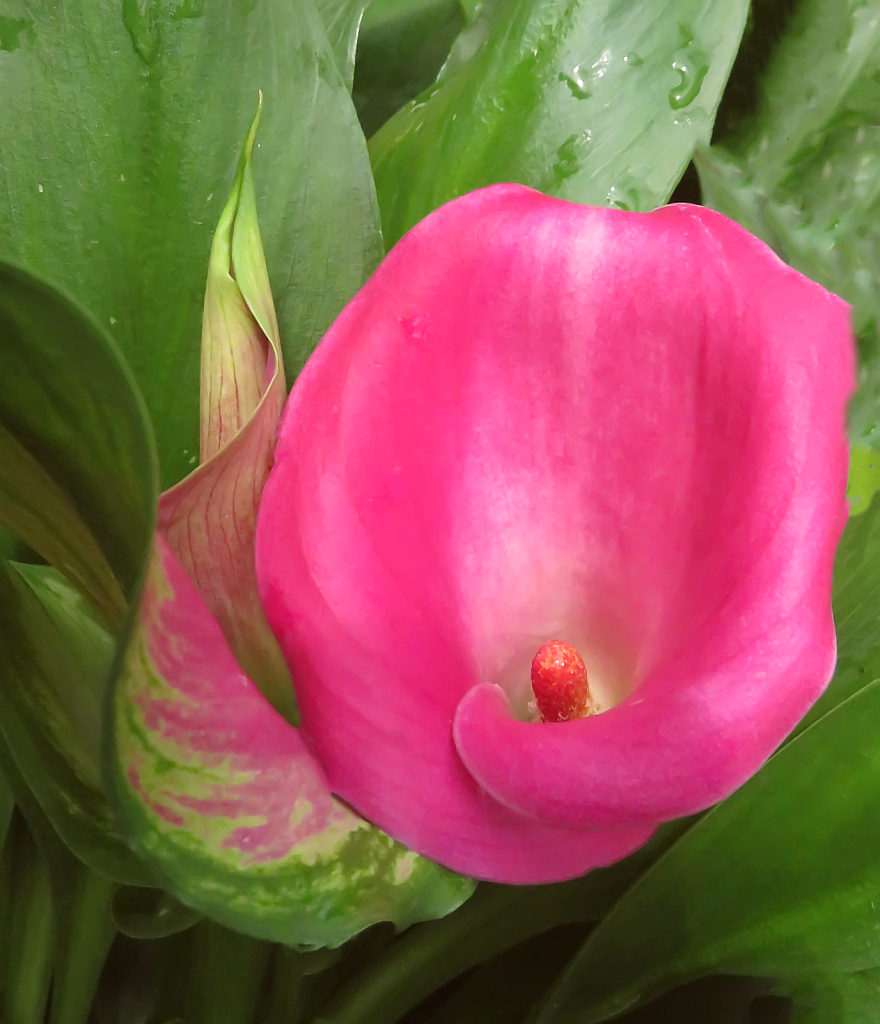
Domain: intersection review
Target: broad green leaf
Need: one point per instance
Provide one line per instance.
(6, 889)
(823, 997)
(7, 806)
(864, 477)
(501, 987)
(717, 999)
(471, 9)
(856, 603)
(76, 469)
(342, 20)
(402, 46)
(221, 797)
(85, 933)
(494, 920)
(593, 101)
(119, 130)
(25, 989)
(80, 436)
(61, 927)
(782, 876)
(142, 913)
(803, 171)
(225, 976)
(57, 658)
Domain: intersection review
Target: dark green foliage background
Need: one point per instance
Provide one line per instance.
(120, 126)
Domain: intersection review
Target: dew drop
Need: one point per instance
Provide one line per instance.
(692, 70)
(601, 66)
(570, 156)
(632, 59)
(620, 198)
(575, 83)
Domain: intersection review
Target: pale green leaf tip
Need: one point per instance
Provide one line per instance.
(220, 261)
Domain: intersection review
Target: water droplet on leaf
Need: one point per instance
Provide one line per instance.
(692, 69)
(575, 83)
(623, 197)
(570, 155)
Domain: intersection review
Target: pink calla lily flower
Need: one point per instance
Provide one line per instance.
(540, 421)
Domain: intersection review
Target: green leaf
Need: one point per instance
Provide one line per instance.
(120, 150)
(598, 102)
(342, 19)
(76, 468)
(493, 921)
(402, 46)
(864, 477)
(142, 913)
(32, 922)
(61, 928)
(782, 876)
(501, 987)
(85, 934)
(856, 603)
(803, 171)
(717, 999)
(226, 972)
(58, 658)
(78, 433)
(823, 997)
(7, 806)
(7, 886)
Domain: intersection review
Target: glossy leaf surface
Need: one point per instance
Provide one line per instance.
(826, 997)
(601, 103)
(342, 20)
(856, 602)
(76, 469)
(494, 920)
(864, 477)
(57, 659)
(781, 876)
(80, 488)
(803, 171)
(7, 806)
(402, 46)
(119, 152)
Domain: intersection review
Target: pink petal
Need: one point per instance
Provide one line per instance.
(227, 803)
(545, 421)
(199, 707)
(209, 520)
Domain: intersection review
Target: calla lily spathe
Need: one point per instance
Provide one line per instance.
(215, 790)
(542, 421)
